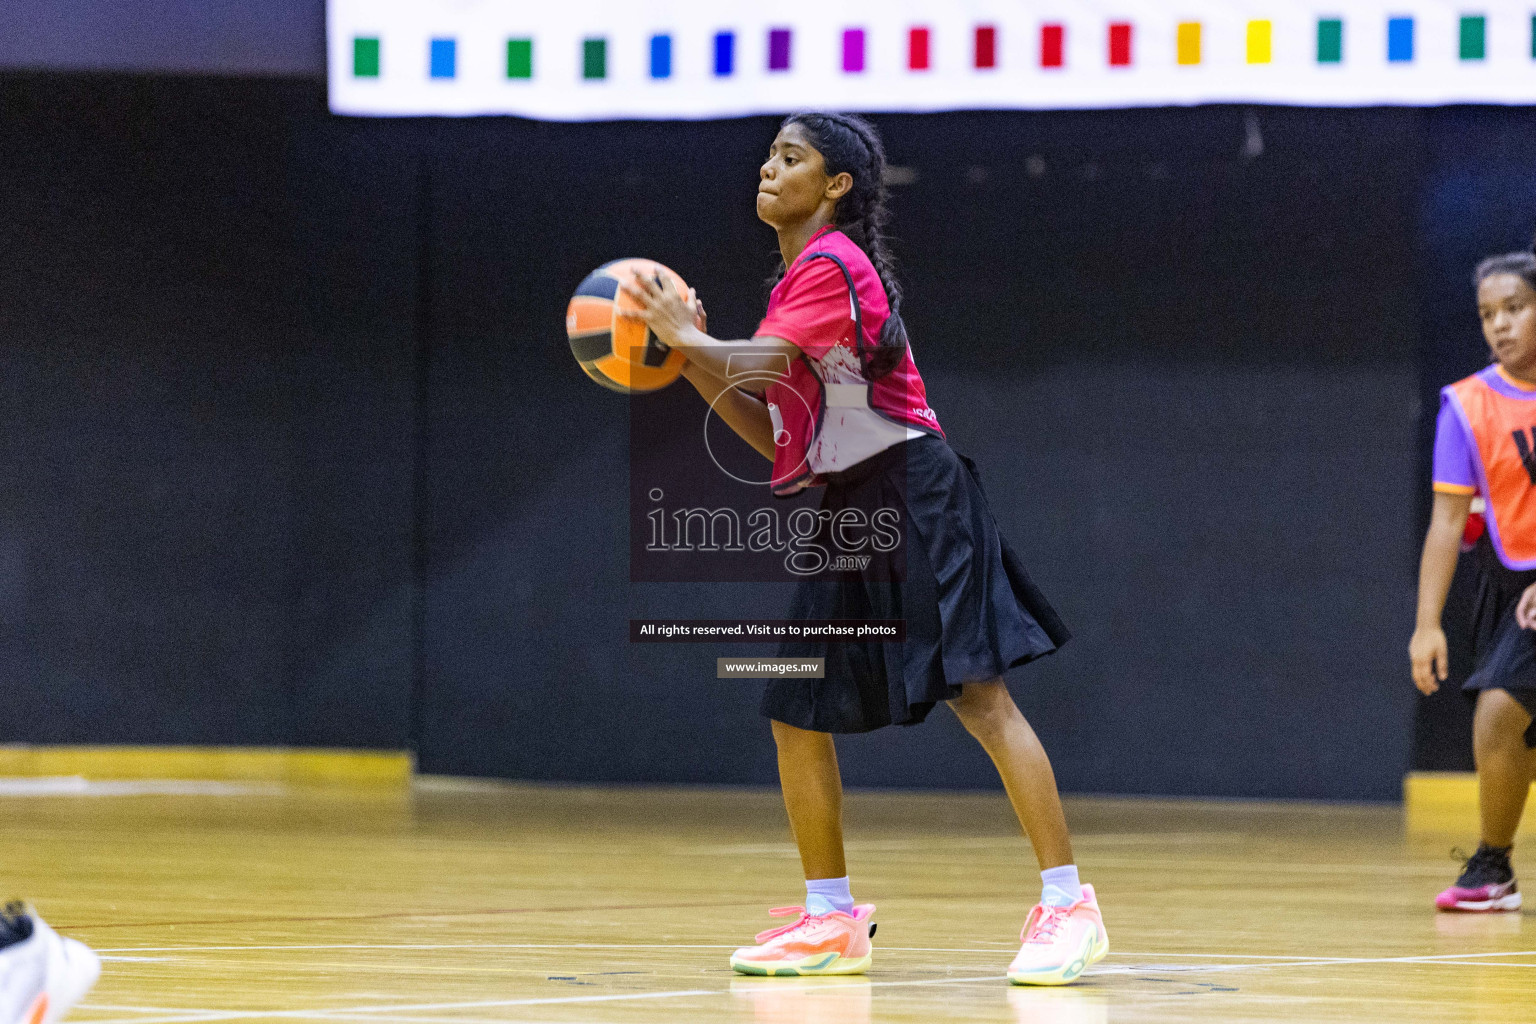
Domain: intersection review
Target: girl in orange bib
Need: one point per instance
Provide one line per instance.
(1485, 446)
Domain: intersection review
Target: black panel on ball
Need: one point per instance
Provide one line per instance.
(587, 347)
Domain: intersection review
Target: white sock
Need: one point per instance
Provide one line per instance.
(824, 895)
(1060, 887)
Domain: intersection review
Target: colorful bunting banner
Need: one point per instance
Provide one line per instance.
(602, 59)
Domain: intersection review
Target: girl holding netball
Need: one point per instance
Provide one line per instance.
(847, 410)
(1485, 444)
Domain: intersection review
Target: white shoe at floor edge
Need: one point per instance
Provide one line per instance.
(43, 975)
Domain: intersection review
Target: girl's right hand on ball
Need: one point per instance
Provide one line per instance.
(1431, 662)
(667, 313)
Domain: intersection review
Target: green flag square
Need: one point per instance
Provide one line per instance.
(1330, 40)
(365, 57)
(519, 58)
(1474, 29)
(594, 58)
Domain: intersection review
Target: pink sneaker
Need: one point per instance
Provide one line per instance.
(835, 943)
(1059, 942)
(1487, 882)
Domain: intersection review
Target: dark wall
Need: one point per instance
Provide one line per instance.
(298, 454)
(205, 521)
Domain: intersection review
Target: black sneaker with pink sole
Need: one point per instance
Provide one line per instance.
(1487, 883)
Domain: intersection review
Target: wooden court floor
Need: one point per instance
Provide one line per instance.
(521, 904)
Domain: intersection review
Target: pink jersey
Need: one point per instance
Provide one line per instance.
(827, 416)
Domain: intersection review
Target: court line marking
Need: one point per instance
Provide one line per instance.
(1338, 959)
(189, 1016)
(685, 945)
(140, 1009)
(490, 946)
(381, 1013)
(169, 1011)
(484, 912)
(426, 946)
(200, 1017)
(78, 785)
(1444, 959)
(427, 1020)
(937, 981)
(369, 1011)
(1263, 960)
(348, 1015)
(1438, 958)
(392, 1012)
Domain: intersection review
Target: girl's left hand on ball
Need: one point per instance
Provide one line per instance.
(666, 312)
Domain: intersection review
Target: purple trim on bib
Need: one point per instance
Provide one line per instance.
(1482, 479)
(1491, 376)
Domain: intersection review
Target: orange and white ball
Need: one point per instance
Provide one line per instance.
(620, 352)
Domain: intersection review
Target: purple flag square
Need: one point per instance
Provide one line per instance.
(778, 49)
(853, 50)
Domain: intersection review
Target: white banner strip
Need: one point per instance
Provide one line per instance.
(604, 59)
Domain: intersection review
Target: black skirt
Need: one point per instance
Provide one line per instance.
(970, 610)
(1505, 654)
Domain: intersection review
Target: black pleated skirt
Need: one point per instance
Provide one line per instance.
(970, 610)
(1505, 654)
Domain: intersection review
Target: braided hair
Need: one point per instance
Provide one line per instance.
(849, 143)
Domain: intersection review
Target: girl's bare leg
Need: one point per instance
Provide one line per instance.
(988, 712)
(813, 796)
(1504, 764)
